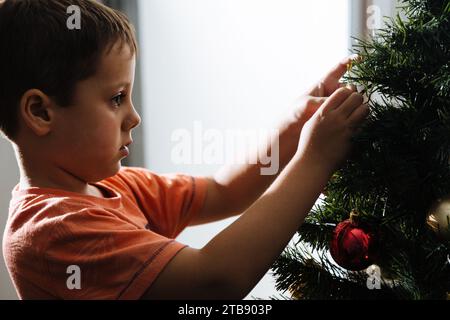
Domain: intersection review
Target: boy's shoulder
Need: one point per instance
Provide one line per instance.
(121, 181)
(132, 194)
(57, 201)
(122, 189)
(41, 209)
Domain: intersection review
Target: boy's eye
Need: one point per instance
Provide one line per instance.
(117, 100)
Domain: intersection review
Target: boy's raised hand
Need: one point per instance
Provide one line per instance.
(307, 105)
(330, 83)
(325, 138)
(232, 263)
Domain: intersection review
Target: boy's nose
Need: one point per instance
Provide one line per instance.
(133, 120)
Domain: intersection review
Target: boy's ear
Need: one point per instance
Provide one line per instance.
(36, 109)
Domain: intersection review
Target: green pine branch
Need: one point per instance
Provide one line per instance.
(398, 168)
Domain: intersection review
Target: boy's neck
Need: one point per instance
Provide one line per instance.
(86, 189)
(53, 177)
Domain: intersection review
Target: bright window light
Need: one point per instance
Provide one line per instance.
(230, 64)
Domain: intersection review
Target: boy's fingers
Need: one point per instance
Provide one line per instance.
(318, 90)
(336, 99)
(350, 104)
(315, 102)
(311, 106)
(339, 70)
(331, 79)
(348, 86)
(359, 114)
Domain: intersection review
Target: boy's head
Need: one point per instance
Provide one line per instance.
(65, 93)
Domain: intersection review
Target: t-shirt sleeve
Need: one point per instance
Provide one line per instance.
(168, 201)
(93, 255)
(58, 247)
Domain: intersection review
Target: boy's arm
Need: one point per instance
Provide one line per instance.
(232, 263)
(235, 187)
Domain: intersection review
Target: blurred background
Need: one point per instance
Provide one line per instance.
(224, 64)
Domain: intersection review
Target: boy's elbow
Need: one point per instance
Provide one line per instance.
(193, 275)
(228, 289)
(232, 284)
(222, 282)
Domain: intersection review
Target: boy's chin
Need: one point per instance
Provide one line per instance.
(105, 174)
(115, 169)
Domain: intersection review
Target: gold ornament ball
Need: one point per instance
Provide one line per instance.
(438, 218)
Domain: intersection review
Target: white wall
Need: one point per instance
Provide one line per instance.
(227, 63)
(9, 173)
(230, 64)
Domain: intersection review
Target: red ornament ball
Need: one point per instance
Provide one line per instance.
(353, 245)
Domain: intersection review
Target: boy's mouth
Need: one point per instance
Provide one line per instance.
(125, 146)
(125, 149)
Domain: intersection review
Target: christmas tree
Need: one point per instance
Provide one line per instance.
(383, 227)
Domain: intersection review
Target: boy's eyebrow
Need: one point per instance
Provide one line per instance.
(121, 84)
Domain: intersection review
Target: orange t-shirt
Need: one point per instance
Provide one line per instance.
(65, 245)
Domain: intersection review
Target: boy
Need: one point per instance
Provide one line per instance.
(82, 227)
